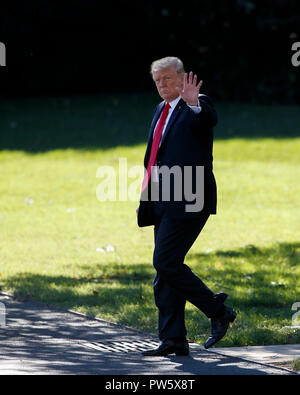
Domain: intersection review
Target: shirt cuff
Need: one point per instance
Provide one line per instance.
(196, 109)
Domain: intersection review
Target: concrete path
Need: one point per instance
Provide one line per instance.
(39, 339)
(264, 354)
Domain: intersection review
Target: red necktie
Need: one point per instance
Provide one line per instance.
(155, 145)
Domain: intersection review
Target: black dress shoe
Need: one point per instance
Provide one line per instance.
(220, 297)
(219, 326)
(168, 347)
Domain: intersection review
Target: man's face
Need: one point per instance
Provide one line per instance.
(166, 81)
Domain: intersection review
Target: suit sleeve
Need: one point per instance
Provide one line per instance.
(208, 113)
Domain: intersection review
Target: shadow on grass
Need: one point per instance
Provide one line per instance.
(105, 290)
(272, 273)
(262, 284)
(93, 122)
(254, 276)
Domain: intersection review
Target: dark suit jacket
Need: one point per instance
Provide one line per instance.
(187, 141)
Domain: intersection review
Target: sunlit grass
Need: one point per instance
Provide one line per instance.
(55, 233)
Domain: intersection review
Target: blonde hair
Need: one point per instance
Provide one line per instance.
(164, 63)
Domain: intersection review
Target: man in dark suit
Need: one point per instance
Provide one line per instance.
(178, 196)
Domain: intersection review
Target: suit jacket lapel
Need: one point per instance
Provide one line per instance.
(150, 136)
(172, 119)
(155, 119)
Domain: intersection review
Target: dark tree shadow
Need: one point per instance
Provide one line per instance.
(246, 291)
(93, 122)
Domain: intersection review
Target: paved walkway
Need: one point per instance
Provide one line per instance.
(264, 354)
(38, 339)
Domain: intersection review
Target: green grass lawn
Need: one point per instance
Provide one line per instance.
(54, 232)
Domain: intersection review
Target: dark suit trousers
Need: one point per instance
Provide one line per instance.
(175, 283)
